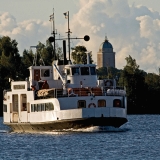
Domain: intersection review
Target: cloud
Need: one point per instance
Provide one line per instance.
(132, 30)
(27, 33)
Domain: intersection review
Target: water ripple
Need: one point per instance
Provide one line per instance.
(137, 139)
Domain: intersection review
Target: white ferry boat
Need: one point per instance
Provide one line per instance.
(74, 98)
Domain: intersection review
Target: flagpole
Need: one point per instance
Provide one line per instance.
(54, 33)
(68, 37)
(54, 36)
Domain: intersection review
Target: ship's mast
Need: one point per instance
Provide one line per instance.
(53, 32)
(67, 17)
(68, 37)
(52, 38)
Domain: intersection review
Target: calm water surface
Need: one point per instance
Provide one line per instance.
(139, 139)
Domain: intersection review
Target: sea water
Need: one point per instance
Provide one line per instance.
(138, 139)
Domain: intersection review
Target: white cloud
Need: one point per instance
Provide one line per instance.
(7, 22)
(132, 30)
(26, 33)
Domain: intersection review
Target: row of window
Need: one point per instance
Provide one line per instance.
(101, 103)
(82, 71)
(42, 107)
(81, 104)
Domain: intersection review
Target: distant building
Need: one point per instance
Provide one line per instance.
(106, 56)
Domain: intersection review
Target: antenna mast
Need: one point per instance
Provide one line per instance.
(52, 38)
(53, 32)
(69, 37)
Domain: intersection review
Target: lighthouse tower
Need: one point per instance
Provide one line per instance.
(105, 55)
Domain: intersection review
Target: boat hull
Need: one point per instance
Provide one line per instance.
(67, 124)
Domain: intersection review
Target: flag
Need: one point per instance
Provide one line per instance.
(51, 17)
(66, 15)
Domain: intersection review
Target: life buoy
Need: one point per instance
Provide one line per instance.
(70, 90)
(108, 83)
(91, 105)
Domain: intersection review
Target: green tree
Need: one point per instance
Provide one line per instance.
(152, 81)
(79, 55)
(26, 61)
(45, 53)
(134, 81)
(108, 73)
(10, 60)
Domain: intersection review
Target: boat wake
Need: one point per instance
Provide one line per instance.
(97, 129)
(4, 131)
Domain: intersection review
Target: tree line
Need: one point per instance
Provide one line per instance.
(142, 88)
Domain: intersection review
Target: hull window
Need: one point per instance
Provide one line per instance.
(81, 104)
(47, 107)
(35, 107)
(51, 107)
(42, 107)
(32, 107)
(101, 103)
(39, 107)
(117, 103)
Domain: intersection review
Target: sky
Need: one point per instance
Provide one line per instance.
(131, 26)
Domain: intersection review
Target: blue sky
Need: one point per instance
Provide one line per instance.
(132, 26)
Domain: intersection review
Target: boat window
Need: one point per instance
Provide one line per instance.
(75, 71)
(4, 108)
(93, 70)
(47, 106)
(24, 107)
(84, 70)
(39, 107)
(32, 107)
(101, 103)
(45, 73)
(36, 74)
(51, 106)
(28, 108)
(68, 72)
(35, 108)
(117, 103)
(15, 103)
(17, 87)
(43, 107)
(81, 104)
